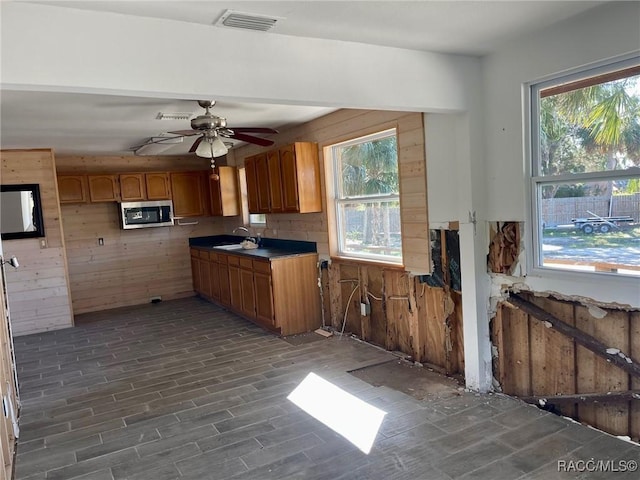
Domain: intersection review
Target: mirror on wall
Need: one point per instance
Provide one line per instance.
(20, 212)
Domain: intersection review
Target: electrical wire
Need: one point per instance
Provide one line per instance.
(346, 310)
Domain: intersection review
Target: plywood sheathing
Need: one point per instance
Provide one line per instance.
(533, 360)
(423, 323)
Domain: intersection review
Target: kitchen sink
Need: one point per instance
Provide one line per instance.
(235, 246)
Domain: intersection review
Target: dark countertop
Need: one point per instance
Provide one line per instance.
(270, 247)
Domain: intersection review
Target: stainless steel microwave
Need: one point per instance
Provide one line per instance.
(146, 214)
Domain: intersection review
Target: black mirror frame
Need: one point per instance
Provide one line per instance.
(34, 188)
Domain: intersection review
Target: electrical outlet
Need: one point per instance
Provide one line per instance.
(156, 299)
(43, 243)
(365, 309)
(101, 241)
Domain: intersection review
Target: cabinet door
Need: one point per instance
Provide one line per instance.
(205, 278)
(275, 181)
(262, 178)
(223, 275)
(157, 186)
(225, 200)
(103, 188)
(195, 270)
(72, 188)
(236, 287)
(289, 179)
(132, 187)
(248, 293)
(252, 184)
(188, 194)
(214, 274)
(264, 298)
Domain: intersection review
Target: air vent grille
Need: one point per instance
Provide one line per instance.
(247, 21)
(173, 116)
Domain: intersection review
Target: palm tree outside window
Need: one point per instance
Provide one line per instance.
(585, 142)
(367, 198)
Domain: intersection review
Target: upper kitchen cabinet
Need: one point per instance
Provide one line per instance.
(285, 180)
(258, 188)
(103, 188)
(73, 189)
(132, 187)
(144, 186)
(225, 200)
(190, 192)
(158, 187)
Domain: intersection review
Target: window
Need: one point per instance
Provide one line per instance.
(585, 176)
(251, 219)
(367, 201)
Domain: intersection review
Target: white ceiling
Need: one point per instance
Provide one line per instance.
(102, 124)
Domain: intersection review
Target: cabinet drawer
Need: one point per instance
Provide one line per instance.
(223, 258)
(213, 256)
(246, 263)
(195, 252)
(261, 266)
(233, 260)
(204, 254)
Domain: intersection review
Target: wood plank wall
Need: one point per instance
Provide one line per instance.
(8, 388)
(536, 361)
(38, 290)
(133, 265)
(344, 125)
(406, 315)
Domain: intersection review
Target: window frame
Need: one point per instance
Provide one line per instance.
(339, 200)
(531, 94)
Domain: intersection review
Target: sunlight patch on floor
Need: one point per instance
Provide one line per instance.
(344, 413)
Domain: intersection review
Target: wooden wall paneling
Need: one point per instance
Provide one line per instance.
(553, 362)
(129, 163)
(335, 295)
(378, 320)
(51, 308)
(133, 265)
(613, 330)
(365, 320)
(634, 407)
(585, 365)
(8, 387)
(399, 314)
(434, 315)
(515, 373)
(350, 292)
(457, 333)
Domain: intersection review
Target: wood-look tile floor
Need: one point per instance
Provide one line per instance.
(186, 390)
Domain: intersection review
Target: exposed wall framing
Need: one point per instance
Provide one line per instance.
(537, 362)
(418, 316)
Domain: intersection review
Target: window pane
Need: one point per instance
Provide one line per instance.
(257, 219)
(591, 129)
(368, 168)
(371, 229)
(591, 226)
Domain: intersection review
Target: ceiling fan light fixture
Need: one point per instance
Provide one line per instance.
(211, 147)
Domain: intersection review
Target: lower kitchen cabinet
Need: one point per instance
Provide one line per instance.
(280, 294)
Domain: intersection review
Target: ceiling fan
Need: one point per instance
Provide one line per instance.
(210, 128)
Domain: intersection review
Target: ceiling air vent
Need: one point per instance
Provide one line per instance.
(247, 21)
(173, 116)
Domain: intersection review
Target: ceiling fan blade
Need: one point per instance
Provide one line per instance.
(263, 142)
(253, 129)
(194, 147)
(186, 133)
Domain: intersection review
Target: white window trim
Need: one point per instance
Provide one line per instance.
(338, 201)
(620, 289)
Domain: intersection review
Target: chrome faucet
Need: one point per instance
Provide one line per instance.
(240, 228)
